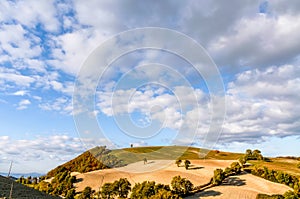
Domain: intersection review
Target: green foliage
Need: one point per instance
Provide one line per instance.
(86, 193)
(20, 191)
(218, 177)
(236, 167)
(70, 194)
(280, 177)
(95, 159)
(118, 188)
(142, 190)
(242, 160)
(152, 190)
(187, 164)
(107, 191)
(122, 187)
(59, 186)
(178, 162)
(164, 194)
(253, 155)
(290, 195)
(265, 196)
(298, 165)
(181, 186)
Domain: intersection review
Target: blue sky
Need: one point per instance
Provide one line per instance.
(146, 96)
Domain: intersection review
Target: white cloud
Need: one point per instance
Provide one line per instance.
(23, 104)
(20, 93)
(12, 76)
(30, 13)
(262, 40)
(62, 105)
(40, 154)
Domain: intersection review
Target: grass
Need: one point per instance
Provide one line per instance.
(280, 164)
(20, 191)
(131, 155)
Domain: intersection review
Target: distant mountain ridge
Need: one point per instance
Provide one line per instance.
(18, 175)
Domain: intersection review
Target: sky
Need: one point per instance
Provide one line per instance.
(77, 74)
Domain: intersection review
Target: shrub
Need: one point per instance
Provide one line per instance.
(181, 186)
(219, 176)
(178, 162)
(265, 196)
(187, 164)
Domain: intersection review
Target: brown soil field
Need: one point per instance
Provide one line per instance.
(200, 172)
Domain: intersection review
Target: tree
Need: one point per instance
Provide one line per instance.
(181, 185)
(290, 195)
(107, 191)
(143, 190)
(242, 160)
(236, 167)
(164, 194)
(187, 164)
(249, 152)
(87, 193)
(219, 176)
(121, 187)
(178, 162)
(70, 194)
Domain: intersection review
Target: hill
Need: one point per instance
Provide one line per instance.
(19, 190)
(94, 159)
(102, 158)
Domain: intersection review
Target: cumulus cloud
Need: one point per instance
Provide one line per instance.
(44, 44)
(259, 103)
(23, 104)
(62, 105)
(42, 150)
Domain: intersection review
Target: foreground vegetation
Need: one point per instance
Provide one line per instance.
(19, 190)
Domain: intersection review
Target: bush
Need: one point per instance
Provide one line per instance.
(142, 190)
(219, 176)
(178, 162)
(164, 194)
(265, 196)
(290, 195)
(187, 164)
(236, 167)
(181, 186)
(86, 193)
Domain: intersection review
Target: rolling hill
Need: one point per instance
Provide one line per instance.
(102, 158)
(20, 191)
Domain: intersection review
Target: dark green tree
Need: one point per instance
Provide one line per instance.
(107, 191)
(178, 162)
(70, 194)
(143, 190)
(187, 164)
(219, 176)
(121, 187)
(181, 185)
(290, 195)
(87, 193)
(236, 167)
